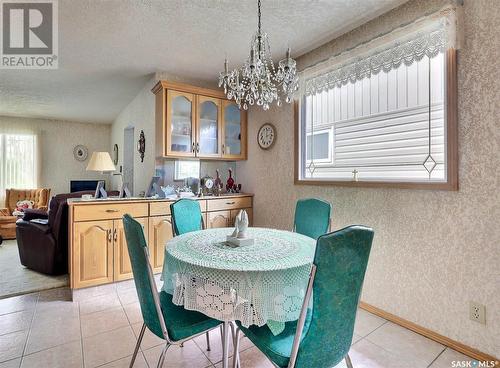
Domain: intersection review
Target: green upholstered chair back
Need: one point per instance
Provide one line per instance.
(312, 217)
(186, 216)
(341, 259)
(137, 248)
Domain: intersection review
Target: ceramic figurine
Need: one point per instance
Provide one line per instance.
(239, 236)
(242, 224)
(235, 232)
(230, 181)
(217, 181)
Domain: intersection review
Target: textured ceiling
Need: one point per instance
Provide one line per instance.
(109, 48)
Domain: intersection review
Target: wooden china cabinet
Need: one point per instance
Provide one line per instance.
(198, 122)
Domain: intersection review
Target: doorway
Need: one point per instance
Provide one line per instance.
(128, 157)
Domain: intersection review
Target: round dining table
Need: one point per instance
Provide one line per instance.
(263, 283)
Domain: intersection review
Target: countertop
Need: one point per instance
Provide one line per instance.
(72, 201)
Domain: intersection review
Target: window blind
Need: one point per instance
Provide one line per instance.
(18, 162)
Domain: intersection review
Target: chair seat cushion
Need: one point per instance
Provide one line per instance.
(277, 348)
(182, 323)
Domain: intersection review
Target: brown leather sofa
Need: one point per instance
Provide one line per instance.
(44, 248)
(39, 197)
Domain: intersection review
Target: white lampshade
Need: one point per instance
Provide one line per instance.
(100, 161)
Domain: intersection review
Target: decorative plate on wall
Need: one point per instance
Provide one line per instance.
(80, 152)
(141, 145)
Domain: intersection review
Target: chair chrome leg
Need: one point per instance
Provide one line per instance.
(348, 361)
(162, 355)
(236, 348)
(137, 345)
(225, 344)
(208, 341)
(234, 328)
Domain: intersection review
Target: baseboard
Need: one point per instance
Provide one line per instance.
(455, 345)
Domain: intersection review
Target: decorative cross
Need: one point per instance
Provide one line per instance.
(355, 175)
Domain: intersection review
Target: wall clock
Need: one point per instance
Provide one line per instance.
(80, 153)
(266, 136)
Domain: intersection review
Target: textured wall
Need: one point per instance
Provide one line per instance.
(140, 113)
(433, 250)
(58, 138)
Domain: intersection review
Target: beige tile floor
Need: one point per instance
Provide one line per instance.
(99, 329)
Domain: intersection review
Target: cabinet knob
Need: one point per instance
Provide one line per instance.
(111, 211)
(115, 235)
(223, 148)
(197, 147)
(230, 202)
(109, 235)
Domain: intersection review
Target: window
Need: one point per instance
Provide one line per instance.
(18, 161)
(319, 146)
(387, 118)
(186, 169)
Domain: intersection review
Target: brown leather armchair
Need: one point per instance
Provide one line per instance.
(44, 248)
(39, 197)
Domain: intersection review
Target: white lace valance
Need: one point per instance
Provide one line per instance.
(424, 45)
(427, 37)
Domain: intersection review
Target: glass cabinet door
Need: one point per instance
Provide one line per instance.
(180, 125)
(233, 145)
(208, 127)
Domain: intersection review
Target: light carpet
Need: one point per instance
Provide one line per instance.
(16, 279)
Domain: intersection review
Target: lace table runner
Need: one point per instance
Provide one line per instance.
(259, 284)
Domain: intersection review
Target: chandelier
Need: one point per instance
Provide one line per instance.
(258, 81)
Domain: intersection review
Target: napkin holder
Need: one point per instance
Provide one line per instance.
(239, 237)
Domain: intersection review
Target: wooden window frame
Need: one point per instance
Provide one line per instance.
(451, 183)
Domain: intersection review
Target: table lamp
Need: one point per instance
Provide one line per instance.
(100, 161)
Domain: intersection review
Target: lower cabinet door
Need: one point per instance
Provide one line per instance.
(93, 253)
(218, 219)
(122, 266)
(160, 232)
(234, 213)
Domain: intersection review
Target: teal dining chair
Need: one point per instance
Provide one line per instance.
(186, 216)
(162, 317)
(323, 334)
(312, 217)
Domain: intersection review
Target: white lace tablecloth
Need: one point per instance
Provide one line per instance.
(258, 284)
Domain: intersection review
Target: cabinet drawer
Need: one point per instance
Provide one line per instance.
(229, 203)
(109, 211)
(163, 208)
(159, 208)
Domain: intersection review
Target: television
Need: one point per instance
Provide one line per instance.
(81, 185)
